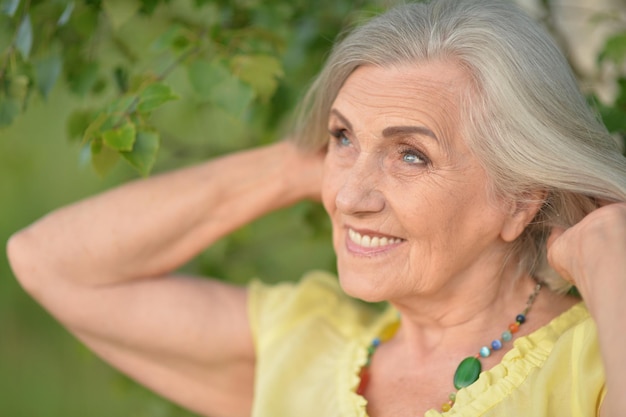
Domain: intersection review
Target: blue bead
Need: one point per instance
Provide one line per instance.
(485, 352)
(507, 336)
(496, 345)
(520, 318)
(376, 342)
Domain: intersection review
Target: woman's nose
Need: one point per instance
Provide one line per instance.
(360, 192)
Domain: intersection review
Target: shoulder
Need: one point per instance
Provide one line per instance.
(304, 333)
(574, 358)
(556, 370)
(569, 339)
(573, 330)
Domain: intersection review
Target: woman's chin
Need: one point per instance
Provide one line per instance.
(358, 286)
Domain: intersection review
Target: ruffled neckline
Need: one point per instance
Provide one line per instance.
(528, 352)
(356, 355)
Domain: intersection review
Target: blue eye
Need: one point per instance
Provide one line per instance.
(341, 138)
(413, 158)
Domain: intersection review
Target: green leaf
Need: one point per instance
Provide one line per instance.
(103, 159)
(82, 77)
(140, 81)
(620, 100)
(148, 6)
(233, 96)
(614, 119)
(67, 13)
(120, 75)
(144, 152)
(47, 72)
(120, 11)
(9, 109)
(205, 76)
(94, 129)
(123, 104)
(615, 49)
(77, 123)
(9, 7)
(215, 82)
(260, 71)
(86, 21)
(121, 138)
(24, 38)
(167, 39)
(18, 86)
(154, 96)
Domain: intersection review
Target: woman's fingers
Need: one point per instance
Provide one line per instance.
(556, 232)
(587, 248)
(558, 253)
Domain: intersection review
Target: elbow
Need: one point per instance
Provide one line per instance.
(24, 260)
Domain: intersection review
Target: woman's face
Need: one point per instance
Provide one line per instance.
(409, 203)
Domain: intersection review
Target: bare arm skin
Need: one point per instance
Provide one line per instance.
(592, 255)
(103, 267)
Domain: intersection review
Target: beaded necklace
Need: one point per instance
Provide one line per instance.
(468, 370)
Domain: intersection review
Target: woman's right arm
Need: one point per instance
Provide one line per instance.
(590, 255)
(103, 267)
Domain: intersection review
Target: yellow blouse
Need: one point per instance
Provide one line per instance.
(311, 342)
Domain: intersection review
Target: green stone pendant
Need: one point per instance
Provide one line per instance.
(467, 372)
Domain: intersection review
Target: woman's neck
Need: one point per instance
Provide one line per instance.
(461, 318)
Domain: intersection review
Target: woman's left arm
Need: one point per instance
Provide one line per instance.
(592, 255)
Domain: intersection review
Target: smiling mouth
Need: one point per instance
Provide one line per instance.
(367, 241)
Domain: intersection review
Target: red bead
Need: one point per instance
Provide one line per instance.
(365, 379)
(514, 327)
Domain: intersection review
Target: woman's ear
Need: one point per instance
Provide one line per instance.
(522, 212)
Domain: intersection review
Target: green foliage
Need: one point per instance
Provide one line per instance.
(261, 72)
(125, 59)
(614, 53)
(614, 116)
(615, 49)
(144, 151)
(122, 128)
(24, 37)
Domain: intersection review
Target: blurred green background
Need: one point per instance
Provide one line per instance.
(103, 46)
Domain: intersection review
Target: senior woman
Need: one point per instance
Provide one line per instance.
(468, 185)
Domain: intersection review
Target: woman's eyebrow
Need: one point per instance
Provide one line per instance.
(391, 130)
(341, 118)
(404, 130)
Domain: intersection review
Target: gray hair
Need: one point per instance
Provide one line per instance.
(525, 118)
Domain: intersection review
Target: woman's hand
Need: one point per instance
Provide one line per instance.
(592, 256)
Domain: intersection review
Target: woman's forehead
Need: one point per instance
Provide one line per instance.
(427, 93)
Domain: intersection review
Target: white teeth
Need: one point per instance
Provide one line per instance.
(371, 242)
